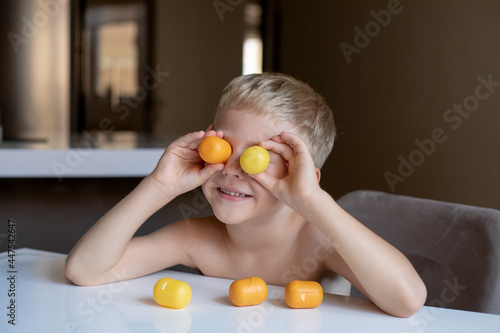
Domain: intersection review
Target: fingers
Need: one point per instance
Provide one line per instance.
(211, 130)
(266, 180)
(209, 170)
(294, 141)
(286, 144)
(192, 140)
(186, 140)
(280, 148)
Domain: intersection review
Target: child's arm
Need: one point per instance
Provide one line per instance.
(105, 253)
(382, 272)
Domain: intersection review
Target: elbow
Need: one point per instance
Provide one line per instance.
(410, 302)
(70, 272)
(74, 274)
(408, 309)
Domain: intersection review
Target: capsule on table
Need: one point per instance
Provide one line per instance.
(172, 293)
(249, 291)
(303, 294)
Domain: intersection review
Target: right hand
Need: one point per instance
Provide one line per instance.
(181, 168)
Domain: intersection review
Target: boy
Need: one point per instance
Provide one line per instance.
(264, 224)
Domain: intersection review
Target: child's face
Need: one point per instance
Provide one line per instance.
(243, 129)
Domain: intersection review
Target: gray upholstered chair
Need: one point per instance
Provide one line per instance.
(455, 248)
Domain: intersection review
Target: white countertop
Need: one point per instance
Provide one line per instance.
(116, 154)
(62, 163)
(46, 302)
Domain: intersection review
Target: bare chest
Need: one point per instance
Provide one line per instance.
(275, 267)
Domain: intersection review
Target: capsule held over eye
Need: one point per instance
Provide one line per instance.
(214, 150)
(254, 160)
(249, 291)
(303, 294)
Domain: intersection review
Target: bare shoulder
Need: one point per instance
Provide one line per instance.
(197, 235)
(204, 244)
(179, 239)
(315, 240)
(192, 229)
(205, 231)
(197, 227)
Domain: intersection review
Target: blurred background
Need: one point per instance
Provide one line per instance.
(414, 86)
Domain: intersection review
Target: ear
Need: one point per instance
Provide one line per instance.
(318, 174)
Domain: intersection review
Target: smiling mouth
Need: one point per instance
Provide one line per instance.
(234, 194)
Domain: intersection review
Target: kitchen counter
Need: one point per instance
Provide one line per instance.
(61, 163)
(98, 155)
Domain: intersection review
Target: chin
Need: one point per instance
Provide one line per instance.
(227, 217)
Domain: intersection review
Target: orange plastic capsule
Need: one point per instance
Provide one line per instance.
(214, 150)
(303, 294)
(172, 293)
(249, 291)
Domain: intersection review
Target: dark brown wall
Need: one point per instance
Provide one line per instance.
(202, 53)
(398, 88)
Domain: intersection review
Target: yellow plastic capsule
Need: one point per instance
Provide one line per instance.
(172, 293)
(214, 150)
(254, 160)
(249, 291)
(303, 294)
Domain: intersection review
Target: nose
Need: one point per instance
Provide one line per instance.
(232, 166)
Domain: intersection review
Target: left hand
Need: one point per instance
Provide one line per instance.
(300, 184)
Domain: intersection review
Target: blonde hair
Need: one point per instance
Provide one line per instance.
(285, 99)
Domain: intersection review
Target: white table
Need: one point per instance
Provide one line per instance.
(76, 163)
(46, 301)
